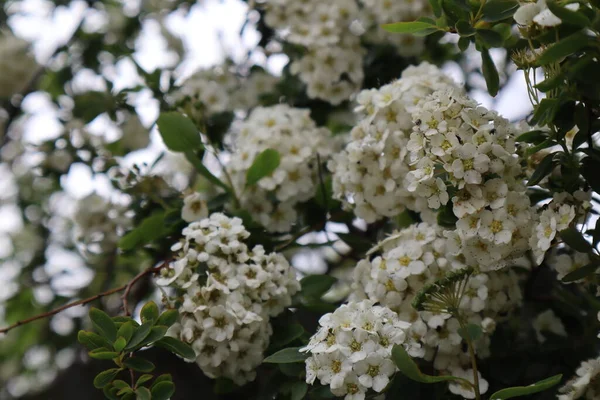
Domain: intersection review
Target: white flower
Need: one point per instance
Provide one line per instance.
(549, 322)
(194, 208)
(375, 372)
(496, 226)
(464, 390)
(584, 384)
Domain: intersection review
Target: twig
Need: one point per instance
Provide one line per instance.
(132, 282)
(126, 287)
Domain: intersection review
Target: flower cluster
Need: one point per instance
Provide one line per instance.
(293, 134)
(17, 65)
(370, 174)
(331, 65)
(555, 217)
(99, 223)
(351, 351)
(226, 294)
(413, 259)
(218, 89)
(465, 156)
(585, 385)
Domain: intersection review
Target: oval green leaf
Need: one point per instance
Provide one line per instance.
(517, 391)
(163, 390)
(178, 132)
(139, 364)
(177, 347)
(286, 356)
(263, 165)
(103, 324)
(105, 377)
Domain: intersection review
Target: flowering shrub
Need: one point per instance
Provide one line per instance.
(363, 222)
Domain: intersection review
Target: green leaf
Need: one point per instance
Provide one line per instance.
(409, 368)
(544, 168)
(178, 132)
(263, 165)
(103, 354)
(104, 377)
(126, 331)
(168, 318)
(143, 379)
(139, 364)
(463, 43)
(575, 240)
(149, 312)
(150, 229)
(464, 28)
(490, 38)
(177, 347)
(410, 27)
(470, 332)
(120, 384)
(139, 335)
(163, 390)
(315, 286)
(568, 16)
(202, 170)
(535, 136)
(526, 390)
(551, 83)
(156, 333)
(120, 343)
(92, 340)
(298, 390)
(580, 273)
(545, 111)
(589, 170)
(358, 243)
(162, 378)
(286, 356)
(563, 48)
(490, 73)
(110, 392)
(143, 393)
(286, 334)
(497, 10)
(103, 324)
(436, 7)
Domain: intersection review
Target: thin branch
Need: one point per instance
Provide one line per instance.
(127, 287)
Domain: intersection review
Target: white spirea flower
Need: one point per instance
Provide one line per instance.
(548, 322)
(370, 175)
(294, 135)
(585, 385)
(565, 263)
(227, 294)
(401, 265)
(194, 208)
(462, 389)
(538, 13)
(211, 91)
(351, 351)
(17, 65)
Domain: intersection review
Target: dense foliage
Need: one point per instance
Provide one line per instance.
(354, 225)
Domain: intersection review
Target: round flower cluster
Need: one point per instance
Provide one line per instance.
(330, 32)
(585, 385)
(218, 89)
(293, 134)
(465, 154)
(17, 65)
(99, 223)
(226, 294)
(370, 174)
(416, 257)
(555, 217)
(351, 351)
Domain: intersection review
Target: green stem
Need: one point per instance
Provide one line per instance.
(473, 359)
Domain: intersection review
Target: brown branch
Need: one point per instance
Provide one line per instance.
(126, 287)
(132, 282)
